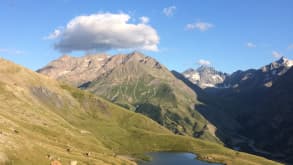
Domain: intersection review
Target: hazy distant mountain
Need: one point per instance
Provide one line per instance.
(205, 76)
(139, 83)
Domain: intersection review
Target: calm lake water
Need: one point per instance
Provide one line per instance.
(174, 158)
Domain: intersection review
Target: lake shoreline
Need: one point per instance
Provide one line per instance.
(174, 158)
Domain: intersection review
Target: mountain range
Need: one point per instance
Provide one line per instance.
(205, 76)
(235, 109)
(209, 77)
(43, 121)
(138, 83)
(260, 102)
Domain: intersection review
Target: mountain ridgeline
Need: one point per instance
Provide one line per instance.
(42, 120)
(138, 83)
(205, 76)
(247, 110)
(260, 102)
(208, 77)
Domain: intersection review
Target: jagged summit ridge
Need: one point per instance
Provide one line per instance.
(42, 119)
(205, 76)
(87, 68)
(285, 61)
(138, 82)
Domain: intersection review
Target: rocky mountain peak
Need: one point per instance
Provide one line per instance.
(263, 77)
(137, 54)
(285, 62)
(282, 60)
(80, 70)
(205, 76)
(278, 67)
(134, 56)
(65, 57)
(205, 68)
(143, 59)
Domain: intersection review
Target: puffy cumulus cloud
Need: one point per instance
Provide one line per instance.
(203, 62)
(201, 26)
(250, 45)
(105, 31)
(276, 54)
(169, 11)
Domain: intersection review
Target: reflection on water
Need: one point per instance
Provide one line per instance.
(174, 158)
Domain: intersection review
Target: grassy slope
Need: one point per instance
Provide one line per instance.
(157, 93)
(39, 118)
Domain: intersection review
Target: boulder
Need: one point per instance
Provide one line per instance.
(55, 162)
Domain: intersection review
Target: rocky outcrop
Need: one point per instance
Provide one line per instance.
(205, 76)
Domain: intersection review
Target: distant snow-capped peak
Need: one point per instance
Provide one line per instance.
(205, 76)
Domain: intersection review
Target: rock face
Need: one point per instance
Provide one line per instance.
(260, 101)
(205, 76)
(136, 82)
(271, 124)
(52, 117)
(263, 77)
(208, 77)
(78, 70)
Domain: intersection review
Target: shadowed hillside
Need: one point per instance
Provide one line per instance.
(43, 120)
(138, 83)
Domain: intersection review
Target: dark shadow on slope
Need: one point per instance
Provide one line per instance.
(152, 111)
(254, 106)
(213, 111)
(85, 85)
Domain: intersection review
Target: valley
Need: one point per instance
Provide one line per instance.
(139, 83)
(215, 112)
(44, 120)
(109, 82)
(246, 97)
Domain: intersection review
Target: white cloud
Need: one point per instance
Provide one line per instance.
(201, 26)
(169, 11)
(290, 47)
(105, 31)
(276, 54)
(250, 45)
(55, 34)
(203, 62)
(11, 51)
(144, 20)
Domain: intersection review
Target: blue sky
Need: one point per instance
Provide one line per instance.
(227, 34)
